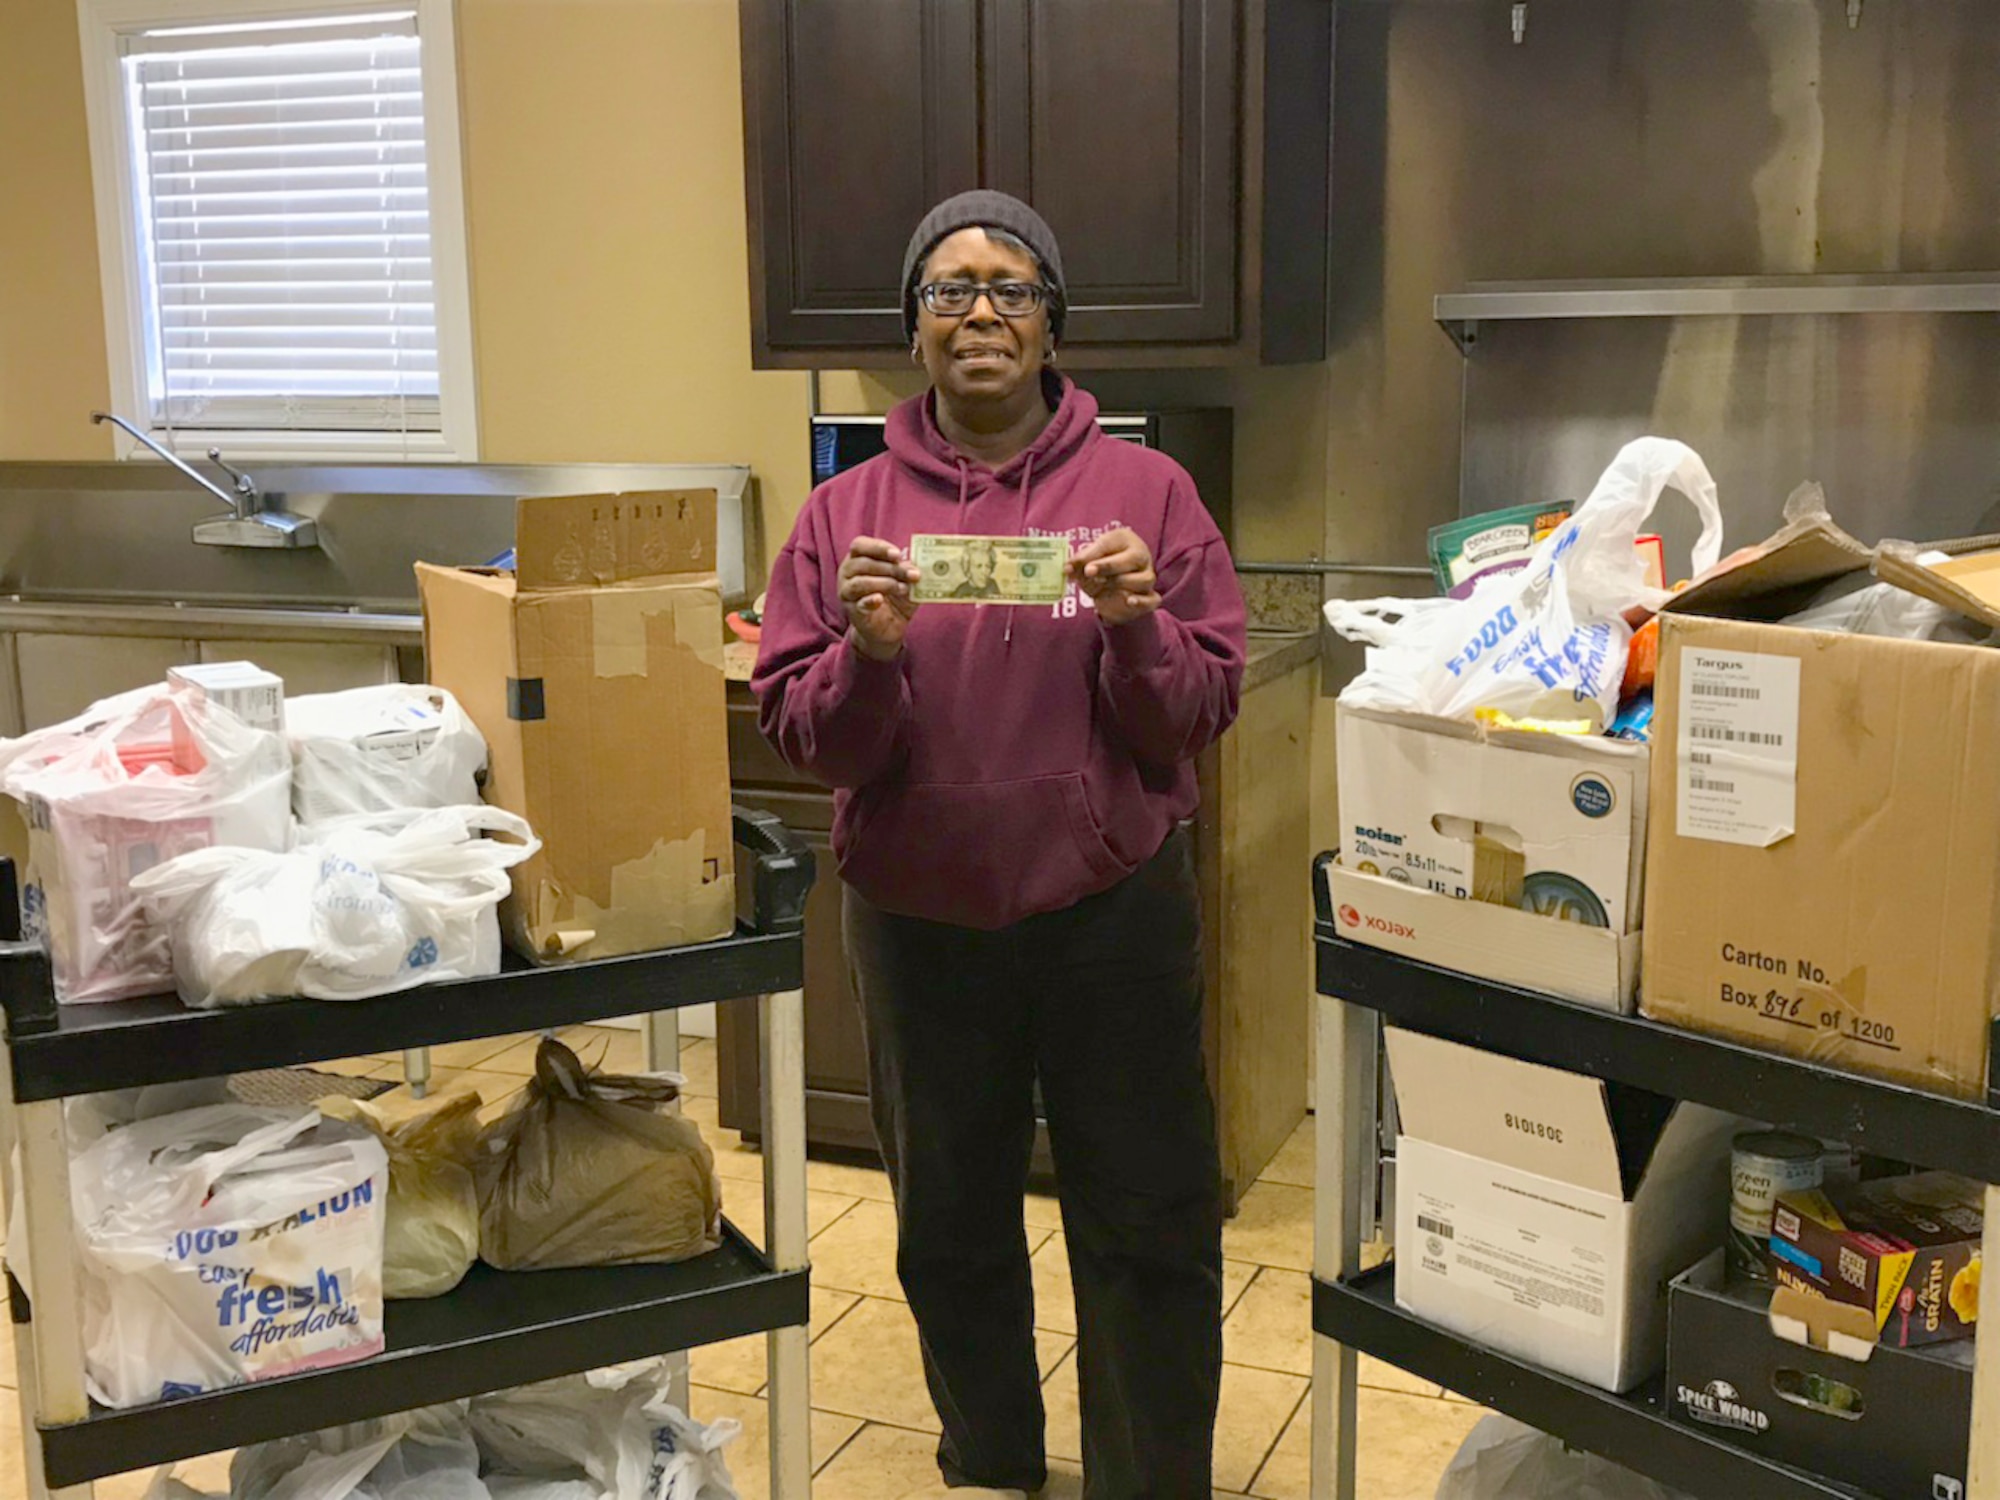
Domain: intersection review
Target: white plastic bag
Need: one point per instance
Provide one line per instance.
(371, 905)
(1550, 640)
(227, 1244)
(132, 782)
(380, 749)
(1503, 1460)
(426, 1454)
(616, 1427)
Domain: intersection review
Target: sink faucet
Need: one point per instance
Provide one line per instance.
(250, 523)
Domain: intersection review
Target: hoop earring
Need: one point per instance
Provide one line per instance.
(916, 354)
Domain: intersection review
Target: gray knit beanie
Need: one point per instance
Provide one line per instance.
(983, 208)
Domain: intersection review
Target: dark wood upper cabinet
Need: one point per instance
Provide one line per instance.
(1180, 149)
(859, 115)
(1117, 120)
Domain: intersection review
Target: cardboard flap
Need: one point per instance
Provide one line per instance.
(1800, 1317)
(1807, 551)
(1520, 1114)
(1969, 582)
(593, 541)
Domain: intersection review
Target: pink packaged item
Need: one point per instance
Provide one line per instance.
(131, 782)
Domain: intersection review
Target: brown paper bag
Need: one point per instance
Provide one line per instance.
(590, 1169)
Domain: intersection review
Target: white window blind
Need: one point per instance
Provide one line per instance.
(285, 225)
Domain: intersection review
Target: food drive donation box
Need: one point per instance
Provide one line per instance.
(594, 669)
(1823, 865)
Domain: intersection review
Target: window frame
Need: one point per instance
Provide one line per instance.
(102, 24)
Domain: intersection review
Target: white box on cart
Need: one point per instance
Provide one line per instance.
(1542, 1213)
(1590, 965)
(1548, 823)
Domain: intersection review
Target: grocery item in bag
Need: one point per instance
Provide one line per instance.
(1467, 552)
(589, 1169)
(1502, 1459)
(227, 1244)
(433, 1236)
(1550, 641)
(130, 783)
(427, 1454)
(380, 749)
(617, 1428)
(372, 904)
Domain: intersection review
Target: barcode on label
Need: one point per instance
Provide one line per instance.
(1700, 758)
(1726, 690)
(1437, 1227)
(1733, 736)
(1705, 784)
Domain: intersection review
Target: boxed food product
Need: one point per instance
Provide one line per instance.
(1509, 828)
(1541, 1212)
(255, 696)
(1904, 1249)
(1823, 870)
(1899, 1423)
(594, 670)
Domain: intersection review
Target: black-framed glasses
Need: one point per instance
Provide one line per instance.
(1010, 299)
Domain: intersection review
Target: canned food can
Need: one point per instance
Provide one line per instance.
(1764, 1164)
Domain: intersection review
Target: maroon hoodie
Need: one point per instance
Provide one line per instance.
(1012, 759)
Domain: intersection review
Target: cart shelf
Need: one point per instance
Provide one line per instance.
(1887, 1119)
(1632, 1430)
(495, 1331)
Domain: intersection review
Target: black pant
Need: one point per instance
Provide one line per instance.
(1102, 1003)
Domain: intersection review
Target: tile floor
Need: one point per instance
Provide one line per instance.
(873, 1433)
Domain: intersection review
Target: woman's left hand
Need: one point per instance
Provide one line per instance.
(1116, 571)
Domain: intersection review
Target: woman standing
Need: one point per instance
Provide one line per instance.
(1021, 904)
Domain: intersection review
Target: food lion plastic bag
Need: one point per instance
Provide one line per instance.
(224, 1245)
(134, 781)
(426, 1454)
(433, 1234)
(381, 749)
(588, 1169)
(1550, 640)
(616, 1428)
(368, 906)
(1503, 1460)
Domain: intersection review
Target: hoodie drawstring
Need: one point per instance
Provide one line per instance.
(1027, 487)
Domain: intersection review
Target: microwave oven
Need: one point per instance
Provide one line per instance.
(1200, 440)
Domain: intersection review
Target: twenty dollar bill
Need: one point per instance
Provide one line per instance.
(990, 569)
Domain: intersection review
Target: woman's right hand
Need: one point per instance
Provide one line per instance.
(875, 582)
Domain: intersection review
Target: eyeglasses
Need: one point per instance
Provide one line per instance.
(1010, 299)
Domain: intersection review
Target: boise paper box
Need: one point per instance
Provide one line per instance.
(595, 672)
(1898, 1424)
(1906, 1250)
(1548, 823)
(1541, 1212)
(1823, 869)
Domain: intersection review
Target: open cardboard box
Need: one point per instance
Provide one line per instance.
(1823, 869)
(1802, 1381)
(1541, 1212)
(1590, 965)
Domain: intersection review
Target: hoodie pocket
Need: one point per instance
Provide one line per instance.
(979, 854)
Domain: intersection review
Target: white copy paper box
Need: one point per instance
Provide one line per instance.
(1416, 791)
(1515, 1226)
(1590, 965)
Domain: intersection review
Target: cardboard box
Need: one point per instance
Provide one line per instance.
(595, 672)
(1823, 874)
(1591, 965)
(1898, 1425)
(1906, 1250)
(1542, 1212)
(1549, 823)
